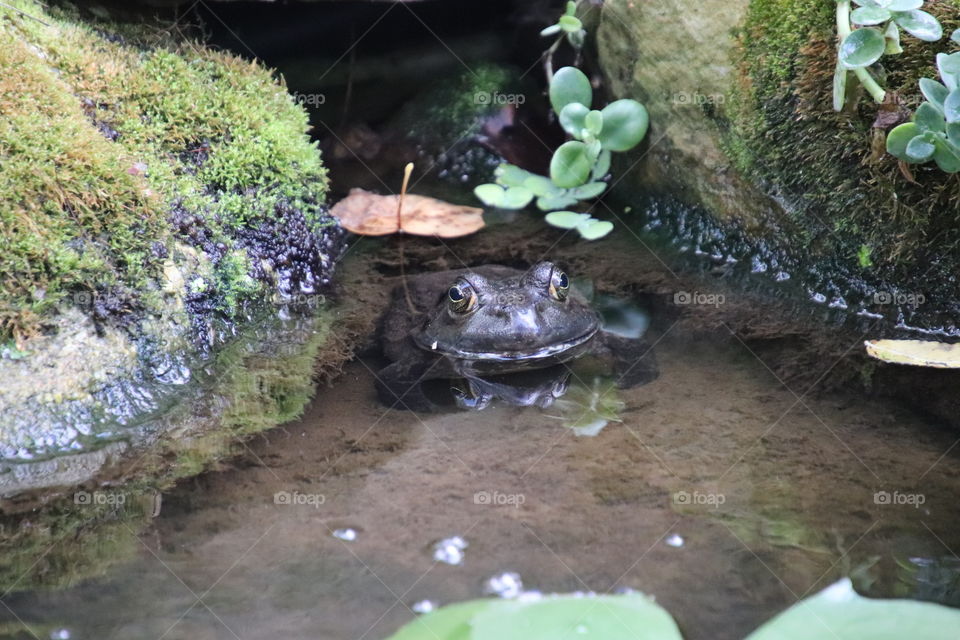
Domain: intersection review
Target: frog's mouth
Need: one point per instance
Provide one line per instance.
(506, 355)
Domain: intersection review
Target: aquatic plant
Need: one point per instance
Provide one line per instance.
(879, 22)
(579, 166)
(934, 133)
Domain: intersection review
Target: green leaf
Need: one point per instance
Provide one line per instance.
(516, 198)
(892, 35)
(929, 118)
(594, 229)
(593, 122)
(629, 617)
(948, 63)
(900, 137)
(869, 15)
(566, 219)
(550, 203)
(839, 613)
(589, 190)
(571, 164)
(871, 3)
(602, 165)
(919, 24)
(919, 149)
(489, 194)
(956, 36)
(571, 8)
(862, 48)
(840, 75)
(933, 91)
(569, 84)
(951, 107)
(451, 622)
(572, 118)
(541, 186)
(552, 29)
(570, 24)
(510, 175)
(953, 135)
(904, 5)
(946, 156)
(625, 124)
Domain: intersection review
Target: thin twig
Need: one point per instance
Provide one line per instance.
(407, 170)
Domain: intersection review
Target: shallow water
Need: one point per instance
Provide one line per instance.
(721, 492)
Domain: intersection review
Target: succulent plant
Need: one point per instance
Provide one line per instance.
(934, 133)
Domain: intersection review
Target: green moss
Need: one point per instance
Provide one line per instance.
(193, 129)
(843, 191)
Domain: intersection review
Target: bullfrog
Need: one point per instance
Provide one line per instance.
(493, 320)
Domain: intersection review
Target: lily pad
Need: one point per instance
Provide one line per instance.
(370, 214)
(840, 613)
(920, 353)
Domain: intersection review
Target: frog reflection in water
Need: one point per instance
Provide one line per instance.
(482, 326)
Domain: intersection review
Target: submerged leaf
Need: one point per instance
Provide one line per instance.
(566, 219)
(370, 214)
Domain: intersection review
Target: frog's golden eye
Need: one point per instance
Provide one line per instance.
(559, 285)
(461, 297)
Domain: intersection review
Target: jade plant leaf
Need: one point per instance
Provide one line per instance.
(625, 124)
(571, 164)
(569, 84)
(573, 117)
(840, 613)
(900, 137)
(946, 156)
(933, 91)
(566, 219)
(929, 118)
(862, 48)
(951, 107)
(870, 15)
(920, 149)
(919, 24)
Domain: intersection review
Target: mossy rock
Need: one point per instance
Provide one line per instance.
(742, 127)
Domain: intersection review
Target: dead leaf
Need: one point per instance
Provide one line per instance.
(370, 214)
(920, 353)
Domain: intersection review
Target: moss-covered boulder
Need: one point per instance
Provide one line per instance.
(158, 196)
(740, 96)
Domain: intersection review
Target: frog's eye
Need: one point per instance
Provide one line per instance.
(559, 285)
(461, 297)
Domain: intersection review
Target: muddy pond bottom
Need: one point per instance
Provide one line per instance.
(720, 491)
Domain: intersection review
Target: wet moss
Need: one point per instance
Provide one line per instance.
(109, 141)
(831, 170)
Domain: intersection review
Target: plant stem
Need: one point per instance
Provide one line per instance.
(876, 92)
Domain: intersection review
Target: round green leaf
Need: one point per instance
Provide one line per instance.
(552, 29)
(625, 124)
(572, 118)
(569, 84)
(510, 175)
(570, 165)
(948, 63)
(951, 107)
(594, 229)
(946, 157)
(953, 134)
(516, 198)
(869, 15)
(570, 24)
(933, 91)
(920, 149)
(839, 613)
(541, 186)
(566, 219)
(549, 203)
(451, 622)
(919, 24)
(900, 137)
(629, 617)
(489, 194)
(589, 190)
(593, 122)
(862, 48)
(904, 5)
(929, 118)
(602, 165)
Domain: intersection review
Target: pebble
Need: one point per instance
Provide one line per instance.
(346, 534)
(424, 606)
(450, 550)
(505, 585)
(674, 540)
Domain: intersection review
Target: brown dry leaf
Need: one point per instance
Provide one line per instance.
(370, 214)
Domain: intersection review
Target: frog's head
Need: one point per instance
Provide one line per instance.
(518, 319)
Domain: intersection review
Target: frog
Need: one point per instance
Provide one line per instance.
(493, 320)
